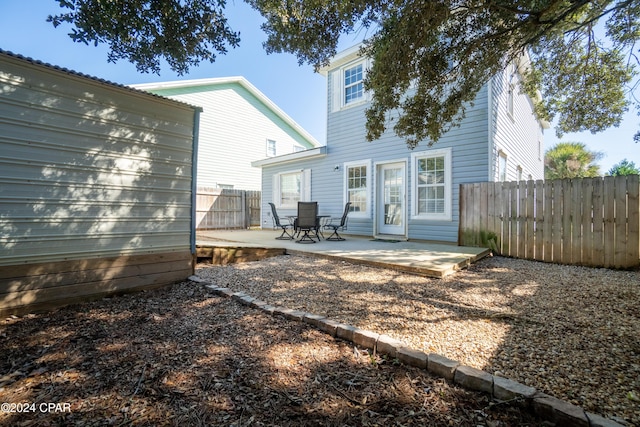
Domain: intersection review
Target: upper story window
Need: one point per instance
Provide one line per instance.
(353, 86)
(539, 150)
(271, 148)
(511, 86)
(347, 85)
(510, 101)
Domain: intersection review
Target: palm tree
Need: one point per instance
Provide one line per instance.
(571, 160)
(625, 167)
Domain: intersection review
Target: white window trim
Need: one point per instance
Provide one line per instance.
(448, 185)
(346, 166)
(503, 155)
(511, 102)
(344, 84)
(305, 187)
(511, 95)
(275, 147)
(338, 101)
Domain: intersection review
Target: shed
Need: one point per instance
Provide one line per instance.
(96, 187)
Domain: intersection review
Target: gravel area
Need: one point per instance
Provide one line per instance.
(571, 332)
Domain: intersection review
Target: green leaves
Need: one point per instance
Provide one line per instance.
(583, 75)
(571, 160)
(430, 59)
(184, 32)
(625, 167)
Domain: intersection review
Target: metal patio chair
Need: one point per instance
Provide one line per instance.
(286, 235)
(342, 225)
(307, 222)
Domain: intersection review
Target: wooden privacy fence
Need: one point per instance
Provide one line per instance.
(218, 208)
(588, 221)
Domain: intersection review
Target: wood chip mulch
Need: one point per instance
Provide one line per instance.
(185, 357)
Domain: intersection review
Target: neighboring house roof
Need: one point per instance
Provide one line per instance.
(246, 85)
(87, 76)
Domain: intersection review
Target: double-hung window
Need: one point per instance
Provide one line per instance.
(353, 85)
(271, 148)
(432, 184)
(290, 188)
(357, 177)
(347, 85)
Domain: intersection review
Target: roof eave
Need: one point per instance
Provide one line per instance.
(312, 153)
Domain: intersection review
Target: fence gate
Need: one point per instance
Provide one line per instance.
(586, 221)
(218, 208)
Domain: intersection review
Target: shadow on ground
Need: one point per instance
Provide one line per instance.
(181, 356)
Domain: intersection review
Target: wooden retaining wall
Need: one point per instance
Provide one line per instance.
(39, 287)
(590, 221)
(231, 255)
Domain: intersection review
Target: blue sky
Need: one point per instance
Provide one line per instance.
(297, 90)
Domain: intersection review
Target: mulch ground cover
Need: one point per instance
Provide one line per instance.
(182, 356)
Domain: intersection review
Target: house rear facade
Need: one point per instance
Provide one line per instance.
(396, 192)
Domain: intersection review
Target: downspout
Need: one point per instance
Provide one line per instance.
(194, 183)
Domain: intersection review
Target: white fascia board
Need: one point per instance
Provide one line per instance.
(242, 82)
(292, 157)
(342, 58)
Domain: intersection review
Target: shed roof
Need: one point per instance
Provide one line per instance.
(56, 68)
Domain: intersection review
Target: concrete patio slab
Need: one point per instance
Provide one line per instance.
(418, 257)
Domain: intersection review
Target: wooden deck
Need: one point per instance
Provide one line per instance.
(431, 259)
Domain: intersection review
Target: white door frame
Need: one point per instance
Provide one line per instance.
(378, 199)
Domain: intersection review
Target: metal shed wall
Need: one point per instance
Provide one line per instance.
(95, 186)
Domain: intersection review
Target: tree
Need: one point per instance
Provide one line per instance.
(444, 51)
(183, 32)
(571, 160)
(448, 50)
(625, 167)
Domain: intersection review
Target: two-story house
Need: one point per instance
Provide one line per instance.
(238, 124)
(397, 192)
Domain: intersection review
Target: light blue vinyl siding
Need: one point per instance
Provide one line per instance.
(472, 144)
(516, 135)
(346, 142)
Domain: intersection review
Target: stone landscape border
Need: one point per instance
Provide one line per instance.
(547, 407)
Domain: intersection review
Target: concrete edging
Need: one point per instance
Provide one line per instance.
(545, 406)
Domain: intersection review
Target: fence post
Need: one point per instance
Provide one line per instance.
(633, 221)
